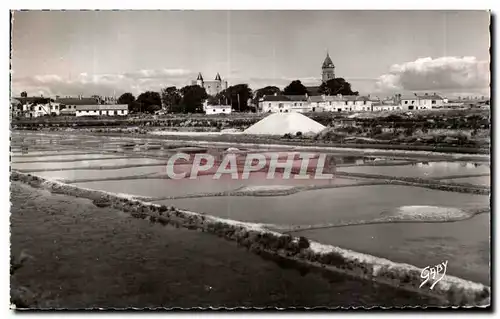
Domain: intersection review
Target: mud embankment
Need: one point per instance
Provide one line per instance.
(422, 182)
(260, 240)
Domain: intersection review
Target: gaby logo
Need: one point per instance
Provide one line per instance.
(433, 272)
(286, 165)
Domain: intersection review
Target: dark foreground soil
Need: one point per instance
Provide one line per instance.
(87, 257)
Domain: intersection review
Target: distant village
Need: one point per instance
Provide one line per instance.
(314, 99)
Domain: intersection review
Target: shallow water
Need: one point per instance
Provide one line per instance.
(57, 157)
(107, 173)
(431, 169)
(83, 163)
(202, 184)
(477, 180)
(327, 205)
(465, 244)
(54, 152)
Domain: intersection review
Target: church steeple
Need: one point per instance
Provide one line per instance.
(200, 78)
(328, 62)
(328, 68)
(217, 77)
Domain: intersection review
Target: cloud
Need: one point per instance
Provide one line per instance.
(450, 74)
(102, 84)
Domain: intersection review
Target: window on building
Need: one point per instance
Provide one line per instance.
(406, 102)
(412, 102)
(294, 104)
(269, 104)
(345, 102)
(223, 110)
(214, 110)
(433, 102)
(39, 108)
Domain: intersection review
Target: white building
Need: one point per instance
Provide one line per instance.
(348, 103)
(284, 104)
(38, 110)
(102, 110)
(377, 107)
(421, 102)
(217, 109)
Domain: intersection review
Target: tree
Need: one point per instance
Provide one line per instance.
(215, 100)
(192, 99)
(24, 94)
(171, 99)
(149, 101)
(126, 98)
(268, 90)
(336, 86)
(237, 96)
(295, 88)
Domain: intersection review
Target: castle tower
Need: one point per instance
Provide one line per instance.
(199, 80)
(328, 69)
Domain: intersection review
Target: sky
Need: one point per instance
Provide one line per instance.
(71, 53)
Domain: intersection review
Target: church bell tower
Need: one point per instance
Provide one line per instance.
(328, 69)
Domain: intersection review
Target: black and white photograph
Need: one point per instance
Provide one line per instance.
(250, 159)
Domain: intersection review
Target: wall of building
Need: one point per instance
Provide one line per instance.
(219, 109)
(122, 112)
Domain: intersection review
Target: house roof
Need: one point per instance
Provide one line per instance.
(313, 90)
(430, 97)
(77, 101)
(103, 107)
(15, 101)
(271, 98)
(316, 98)
(284, 98)
(296, 97)
(415, 97)
(29, 99)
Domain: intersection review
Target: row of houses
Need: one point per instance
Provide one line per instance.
(31, 107)
(347, 103)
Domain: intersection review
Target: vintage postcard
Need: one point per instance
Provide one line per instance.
(250, 159)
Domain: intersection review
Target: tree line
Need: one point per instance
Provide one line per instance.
(190, 98)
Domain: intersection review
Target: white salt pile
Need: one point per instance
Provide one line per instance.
(429, 213)
(283, 123)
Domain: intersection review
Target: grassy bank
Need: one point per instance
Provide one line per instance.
(86, 256)
(449, 291)
(263, 140)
